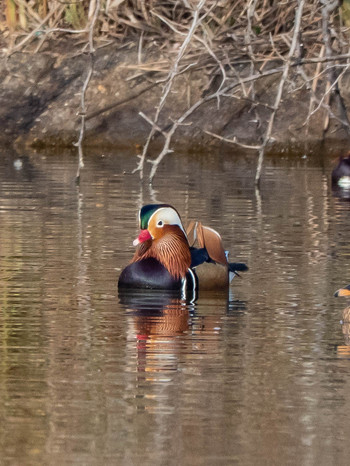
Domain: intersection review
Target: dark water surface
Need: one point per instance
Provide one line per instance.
(261, 376)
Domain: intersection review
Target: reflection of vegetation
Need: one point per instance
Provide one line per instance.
(11, 261)
(10, 249)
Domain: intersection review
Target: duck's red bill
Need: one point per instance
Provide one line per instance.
(143, 236)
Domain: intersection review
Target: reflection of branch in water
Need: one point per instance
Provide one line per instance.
(83, 294)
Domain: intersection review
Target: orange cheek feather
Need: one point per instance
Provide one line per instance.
(342, 292)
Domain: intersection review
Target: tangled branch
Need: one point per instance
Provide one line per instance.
(234, 44)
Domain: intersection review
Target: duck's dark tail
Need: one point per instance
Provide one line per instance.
(237, 267)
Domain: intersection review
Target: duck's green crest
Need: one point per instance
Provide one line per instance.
(147, 211)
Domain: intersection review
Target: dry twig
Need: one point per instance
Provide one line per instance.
(79, 143)
(267, 136)
(169, 83)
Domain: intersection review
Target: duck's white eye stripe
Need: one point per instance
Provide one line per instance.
(166, 216)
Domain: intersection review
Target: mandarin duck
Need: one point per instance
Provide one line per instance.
(167, 258)
(341, 173)
(344, 292)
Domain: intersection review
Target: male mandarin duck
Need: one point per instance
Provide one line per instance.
(166, 258)
(344, 292)
(341, 173)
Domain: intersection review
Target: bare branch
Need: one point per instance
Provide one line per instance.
(233, 141)
(267, 136)
(327, 10)
(172, 73)
(79, 143)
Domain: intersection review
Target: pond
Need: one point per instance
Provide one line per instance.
(260, 375)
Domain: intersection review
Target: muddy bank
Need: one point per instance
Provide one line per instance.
(40, 104)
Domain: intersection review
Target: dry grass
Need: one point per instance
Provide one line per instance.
(232, 29)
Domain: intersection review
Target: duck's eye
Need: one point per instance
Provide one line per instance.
(160, 223)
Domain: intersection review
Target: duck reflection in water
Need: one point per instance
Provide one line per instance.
(158, 319)
(345, 322)
(155, 319)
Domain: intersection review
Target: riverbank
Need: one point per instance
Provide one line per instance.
(40, 103)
